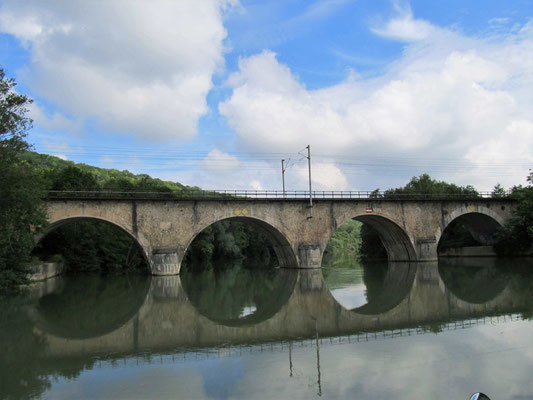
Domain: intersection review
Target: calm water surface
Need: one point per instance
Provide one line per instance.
(351, 330)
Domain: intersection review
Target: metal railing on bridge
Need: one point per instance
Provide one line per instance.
(267, 195)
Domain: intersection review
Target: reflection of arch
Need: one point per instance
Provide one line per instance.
(79, 308)
(394, 238)
(472, 280)
(278, 291)
(66, 220)
(398, 282)
(482, 222)
(280, 244)
(396, 287)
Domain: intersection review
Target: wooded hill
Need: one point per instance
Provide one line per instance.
(53, 167)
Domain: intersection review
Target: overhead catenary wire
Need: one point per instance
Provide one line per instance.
(157, 159)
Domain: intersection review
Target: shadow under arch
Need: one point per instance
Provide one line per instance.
(394, 238)
(481, 224)
(68, 220)
(473, 280)
(283, 249)
(86, 306)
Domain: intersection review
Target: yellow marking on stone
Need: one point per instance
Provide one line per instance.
(237, 212)
(244, 211)
(472, 208)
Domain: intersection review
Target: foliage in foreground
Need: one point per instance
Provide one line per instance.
(21, 210)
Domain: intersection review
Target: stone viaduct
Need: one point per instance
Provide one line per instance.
(164, 228)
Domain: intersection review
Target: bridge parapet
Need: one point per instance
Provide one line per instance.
(197, 194)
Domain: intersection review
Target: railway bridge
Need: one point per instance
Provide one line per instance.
(164, 225)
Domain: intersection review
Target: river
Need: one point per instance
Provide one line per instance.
(350, 330)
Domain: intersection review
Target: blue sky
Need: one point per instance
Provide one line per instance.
(215, 93)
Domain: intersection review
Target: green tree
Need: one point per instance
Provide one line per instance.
(22, 212)
(516, 236)
(425, 185)
(230, 240)
(72, 178)
(498, 191)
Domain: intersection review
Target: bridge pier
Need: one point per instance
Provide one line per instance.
(166, 261)
(310, 256)
(427, 249)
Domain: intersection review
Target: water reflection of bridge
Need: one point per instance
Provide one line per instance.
(283, 346)
(167, 321)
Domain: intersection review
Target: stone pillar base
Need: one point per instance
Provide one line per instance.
(427, 249)
(310, 256)
(165, 262)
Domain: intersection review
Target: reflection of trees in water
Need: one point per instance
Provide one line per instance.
(232, 294)
(374, 278)
(20, 373)
(92, 305)
(25, 371)
(83, 306)
(520, 271)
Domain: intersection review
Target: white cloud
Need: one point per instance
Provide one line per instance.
(59, 149)
(54, 122)
(108, 161)
(256, 185)
(137, 66)
(324, 176)
(404, 27)
(499, 21)
(228, 172)
(219, 161)
(450, 97)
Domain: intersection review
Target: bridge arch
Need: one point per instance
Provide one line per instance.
(395, 239)
(281, 245)
(138, 239)
(481, 221)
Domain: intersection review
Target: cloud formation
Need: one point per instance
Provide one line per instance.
(405, 27)
(450, 97)
(137, 66)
